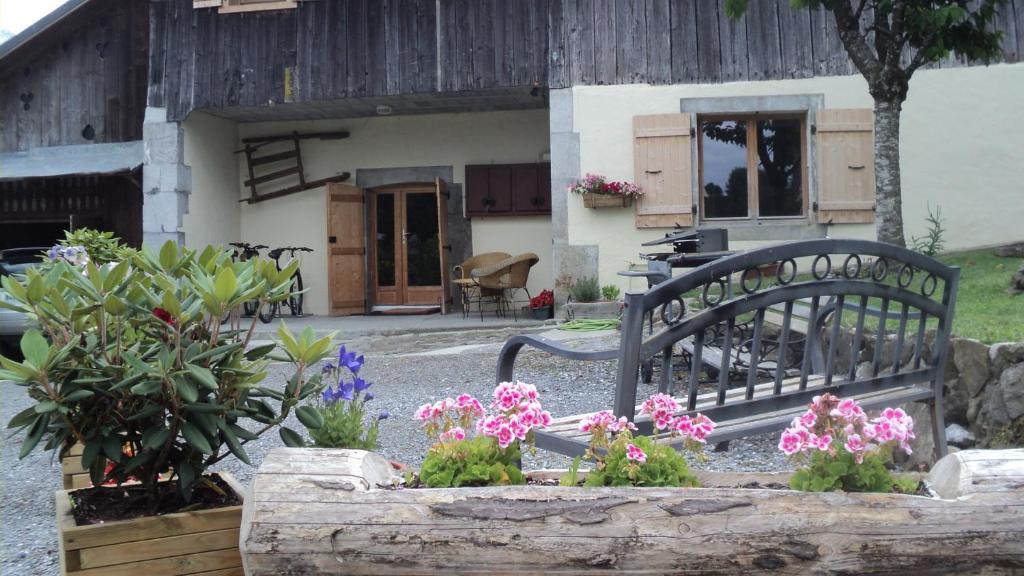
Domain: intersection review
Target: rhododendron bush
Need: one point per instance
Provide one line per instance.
(490, 458)
(624, 460)
(845, 449)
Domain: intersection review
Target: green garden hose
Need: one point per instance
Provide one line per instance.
(588, 325)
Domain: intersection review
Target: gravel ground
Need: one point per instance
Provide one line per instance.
(403, 380)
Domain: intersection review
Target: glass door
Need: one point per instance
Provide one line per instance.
(407, 259)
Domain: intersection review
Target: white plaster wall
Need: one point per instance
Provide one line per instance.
(401, 141)
(213, 216)
(962, 148)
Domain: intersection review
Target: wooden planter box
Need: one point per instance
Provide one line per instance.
(320, 512)
(72, 474)
(606, 201)
(201, 543)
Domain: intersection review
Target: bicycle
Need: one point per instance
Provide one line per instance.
(294, 301)
(245, 251)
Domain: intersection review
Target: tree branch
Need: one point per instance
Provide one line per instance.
(856, 45)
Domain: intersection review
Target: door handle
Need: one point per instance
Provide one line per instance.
(859, 167)
(332, 239)
(653, 171)
(405, 236)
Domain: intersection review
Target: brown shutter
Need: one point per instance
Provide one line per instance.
(663, 169)
(846, 166)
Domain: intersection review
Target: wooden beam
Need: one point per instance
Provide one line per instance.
(300, 188)
(283, 137)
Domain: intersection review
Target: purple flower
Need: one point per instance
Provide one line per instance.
(54, 253)
(383, 415)
(361, 384)
(346, 390)
(327, 369)
(328, 395)
(349, 360)
(369, 396)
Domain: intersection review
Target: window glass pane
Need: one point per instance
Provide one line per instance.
(779, 168)
(421, 244)
(724, 160)
(385, 239)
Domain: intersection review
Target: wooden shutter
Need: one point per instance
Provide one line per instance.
(346, 247)
(442, 240)
(846, 166)
(663, 169)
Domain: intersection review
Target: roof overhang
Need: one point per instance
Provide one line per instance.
(83, 159)
(41, 26)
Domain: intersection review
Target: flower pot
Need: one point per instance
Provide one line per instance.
(606, 201)
(541, 313)
(344, 522)
(200, 542)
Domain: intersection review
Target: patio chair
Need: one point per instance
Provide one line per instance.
(470, 290)
(507, 278)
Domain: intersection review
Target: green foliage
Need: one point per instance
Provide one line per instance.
(572, 475)
(610, 292)
(827, 473)
(933, 29)
(341, 426)
(130, 360)
(476, 462)
(585, 290)
(103, 247)
(934, 240)
(664, 466)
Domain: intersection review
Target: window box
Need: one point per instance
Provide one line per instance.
(606, 201)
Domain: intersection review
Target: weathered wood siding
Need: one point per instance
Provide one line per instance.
(88, 71)
(692, 41)
(325, 51)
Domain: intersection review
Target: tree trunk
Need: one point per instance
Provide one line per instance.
(888, 204)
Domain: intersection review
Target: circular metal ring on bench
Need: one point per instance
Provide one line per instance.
(928, 291)
(721, 294)
(846, 267)
(792, 275)
(743, 280)
(904, 269)
(879, 269)
(676, 318)
(828, 266)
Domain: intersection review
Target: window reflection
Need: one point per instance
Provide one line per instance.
(779, 173)
(725, 168)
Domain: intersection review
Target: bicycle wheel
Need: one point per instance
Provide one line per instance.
(295, 300)
(249, 308)
(268, 312)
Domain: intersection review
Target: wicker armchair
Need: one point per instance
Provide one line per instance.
(507, 278)
(471, 291)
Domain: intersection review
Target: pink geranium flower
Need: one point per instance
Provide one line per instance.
(635, 454)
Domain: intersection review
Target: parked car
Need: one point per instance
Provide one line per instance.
(14, 262)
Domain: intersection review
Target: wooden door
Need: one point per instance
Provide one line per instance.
(442, 241)
(346, 249)
(408, 255)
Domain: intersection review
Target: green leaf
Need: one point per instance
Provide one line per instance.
(155, 437)
(291, 438)
(91, 450)
(35, 434)
(146, 387)
(168, 255)
(203, 376)
(35, 348)
(113, 447)
(195, 438)
(205, 408)
(310, 417)
(186, 389)
(225, 284)
(23, 418)
(146, 412)
(216, 353)
(232, 441)
(79, 395)
(170, 303)
(115, 276)
(46, 406)
(259, 352)
(186, 476)
(242, 432)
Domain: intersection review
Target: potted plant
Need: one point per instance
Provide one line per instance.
(342, 406)
(598, 192)
(542, 305)
(130, 361)
(635, 510)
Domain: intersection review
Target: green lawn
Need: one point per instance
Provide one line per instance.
(984, 310)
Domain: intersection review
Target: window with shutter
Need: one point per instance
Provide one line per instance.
(846, 169)
(663, 169)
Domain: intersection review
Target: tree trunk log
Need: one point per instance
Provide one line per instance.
(318, 512)
(888, 202)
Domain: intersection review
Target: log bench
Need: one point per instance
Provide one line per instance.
(320, 511)
(912, 290)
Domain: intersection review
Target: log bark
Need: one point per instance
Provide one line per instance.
(319, 512)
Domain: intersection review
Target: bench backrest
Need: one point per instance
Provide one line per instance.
(909, 291)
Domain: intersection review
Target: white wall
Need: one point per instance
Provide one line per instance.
(213, 216)
(962, 148)
(401, 141)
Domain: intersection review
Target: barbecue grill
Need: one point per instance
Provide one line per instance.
(690, 248)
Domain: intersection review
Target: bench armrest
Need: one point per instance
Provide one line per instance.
(509, 352)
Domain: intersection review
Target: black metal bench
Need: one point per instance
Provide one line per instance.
(904, 283)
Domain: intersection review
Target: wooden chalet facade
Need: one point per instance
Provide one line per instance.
(289, 122)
